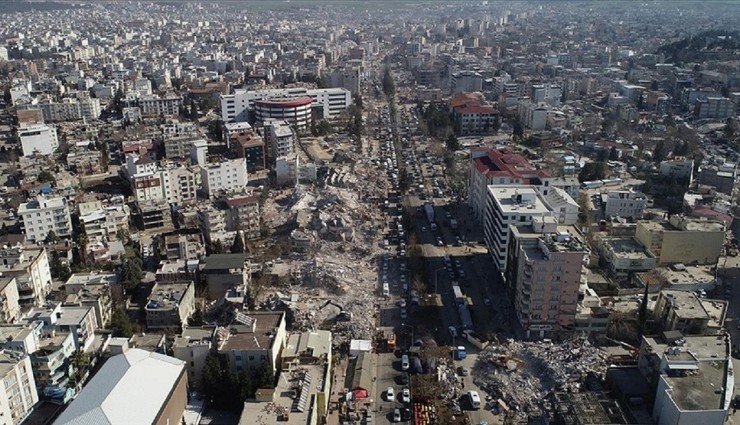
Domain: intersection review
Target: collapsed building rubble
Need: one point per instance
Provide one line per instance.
(522, 374)
(335, 243)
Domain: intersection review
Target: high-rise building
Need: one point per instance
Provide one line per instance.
(509, 205)
(240, 106)
(544, 272)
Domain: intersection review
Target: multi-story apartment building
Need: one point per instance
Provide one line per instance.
(259, 338)
(224, 177)
(85, 161)
(466, 81)
(105, 222)
(170, 305)
(10, 309)
(156, 106)
(544, 273)
(714, 107)
(38, 139)
(79, 321)
(348, 78)
(533, 115)
(175, 184)
(71, 109)
(280, 138)
(94, 290)
(490, 166)
(44, 215)
(193, 347)
(509, 205)
(179, 146)
(625, 203)
(239, 106)
(184, 246)
(244, 216)
(682, 240)
(18, 393)
(30, 268)
(212, 223)
(51, 366)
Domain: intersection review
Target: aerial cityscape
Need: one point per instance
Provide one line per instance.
(317, 212)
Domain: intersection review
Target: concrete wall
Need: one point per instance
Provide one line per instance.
(691, 247)
(173, 410)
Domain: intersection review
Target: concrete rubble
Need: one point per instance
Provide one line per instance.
(523, 373)
(342, 217)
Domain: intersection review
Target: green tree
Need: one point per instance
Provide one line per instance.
(46, 177)
(265, 376)
(59, 270)
(218, 247)
(660, 153)
(121, 325)
(251, 300)
(132, 273)
(52, 237)
(518, 129)
(323, 128)
(237, 247)
(613, 154)
(452, 143)
(389, 85)
(602, 155)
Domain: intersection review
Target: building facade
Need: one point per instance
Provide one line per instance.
(44, 215)
(38, 139)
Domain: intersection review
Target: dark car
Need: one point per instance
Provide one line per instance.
(402, 379)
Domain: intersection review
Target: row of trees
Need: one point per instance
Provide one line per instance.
(228, 391)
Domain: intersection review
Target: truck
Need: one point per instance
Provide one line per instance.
(429, 210)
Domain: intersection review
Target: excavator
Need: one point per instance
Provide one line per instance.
(343, 315)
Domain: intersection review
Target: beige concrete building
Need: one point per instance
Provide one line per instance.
(258, 337)
(685, 312)
(18, 393)
(193, 347)
(625, 255)
(170, 305)
(545, 271)
(682, 240)
(10, 309)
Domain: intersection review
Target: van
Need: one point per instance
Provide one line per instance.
(474, 399)
(405, 362)
(386, 289)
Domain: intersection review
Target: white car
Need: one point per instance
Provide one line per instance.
(406, 395)
(389, 394)
(396, 415)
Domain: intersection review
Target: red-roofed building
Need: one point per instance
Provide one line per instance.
(500, 167)
(472, 115)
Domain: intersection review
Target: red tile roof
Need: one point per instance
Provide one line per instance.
(245, 200)
(507, 164)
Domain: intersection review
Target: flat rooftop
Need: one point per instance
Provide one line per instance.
(686, 305)
(626, 247)
(701, 389)
(260, 335)
(524, 200)
(166, 296)
(307, 379)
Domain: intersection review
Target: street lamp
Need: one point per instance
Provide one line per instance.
(436, 274)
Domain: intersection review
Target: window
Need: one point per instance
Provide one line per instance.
(251, 358)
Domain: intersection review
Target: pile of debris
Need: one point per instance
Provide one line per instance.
(523, 373)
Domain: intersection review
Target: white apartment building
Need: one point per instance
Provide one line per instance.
(533, 115)
(176, 184)
(71, 109)
(175, 128)
(238, 106)
(155, 106)
(225, 176)
(139, 164)
(509, 205)
(43, 215)
(348, 78)
(625, 203)
(38, 139)
(714, 107)
(30, 267)
(104, 223)
(280, 138)
(18, 392)
(548, 93)
(212, 222)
